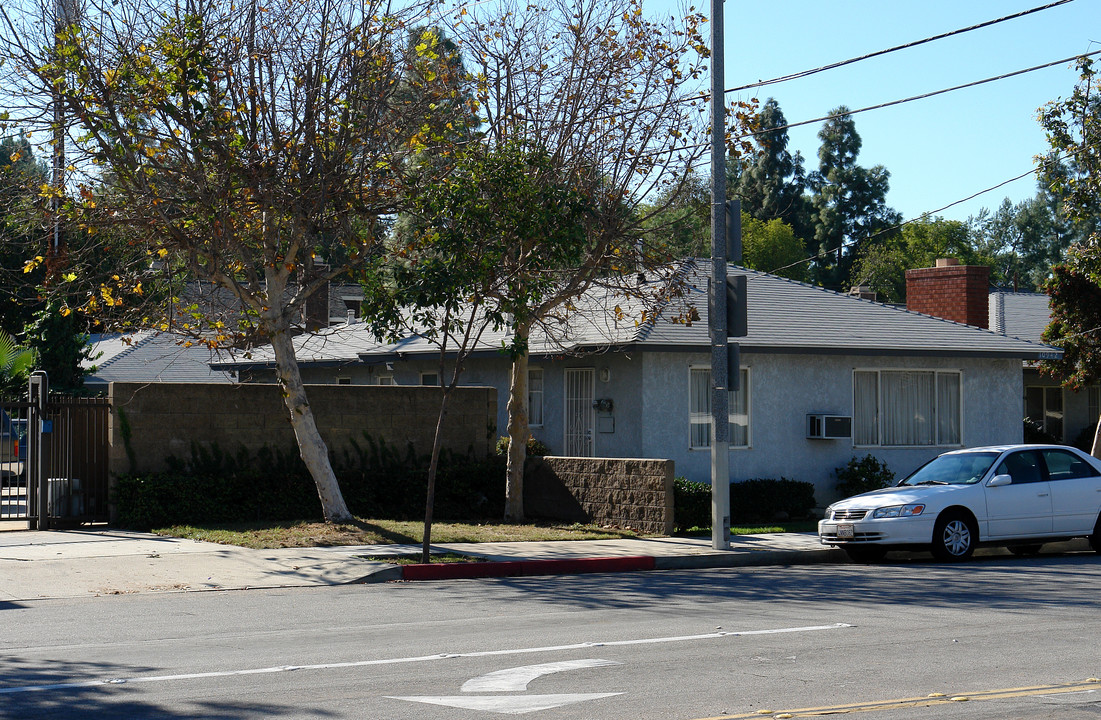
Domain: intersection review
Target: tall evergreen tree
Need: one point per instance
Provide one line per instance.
(771, 183)
(850, 201)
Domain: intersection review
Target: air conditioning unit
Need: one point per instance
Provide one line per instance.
(829, 427)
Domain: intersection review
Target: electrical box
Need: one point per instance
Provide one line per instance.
(829, 427)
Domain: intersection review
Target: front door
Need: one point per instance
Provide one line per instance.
(580, 415)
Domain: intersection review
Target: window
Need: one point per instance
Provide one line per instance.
(535, 397)
(1044, 406)
(906, 407)
(1023, 467)
(343, 381)
(1065, 465)
(385, 379)
(699, 410)
(430, 378)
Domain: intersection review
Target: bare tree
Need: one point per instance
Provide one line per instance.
(254, 147)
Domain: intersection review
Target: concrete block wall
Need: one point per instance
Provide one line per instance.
(629, 493)
(164, 419)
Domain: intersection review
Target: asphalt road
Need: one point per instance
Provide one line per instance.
(995, 638)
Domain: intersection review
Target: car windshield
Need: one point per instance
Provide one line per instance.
(960, 469)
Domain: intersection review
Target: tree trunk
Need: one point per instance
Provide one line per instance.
(517, 435)
(310, 445)
(433, 467)
(1096, 449)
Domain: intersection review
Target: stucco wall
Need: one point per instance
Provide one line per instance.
(785, 388)
(649, 391)
(165, 418)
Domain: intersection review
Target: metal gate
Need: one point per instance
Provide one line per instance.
(53, 459)
(580, 416)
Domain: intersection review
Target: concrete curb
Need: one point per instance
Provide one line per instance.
(529, 568)
(526, 568)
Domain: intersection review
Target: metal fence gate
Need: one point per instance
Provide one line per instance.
(53, 459)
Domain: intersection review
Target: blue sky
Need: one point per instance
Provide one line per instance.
(937, 150)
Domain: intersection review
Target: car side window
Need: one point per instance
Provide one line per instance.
(1023, 467)
(1063, 465)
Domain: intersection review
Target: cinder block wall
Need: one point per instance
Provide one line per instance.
(634, 493)
(164, 419)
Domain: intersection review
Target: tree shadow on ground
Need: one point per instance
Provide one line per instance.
(1002, 583)
(57, 689)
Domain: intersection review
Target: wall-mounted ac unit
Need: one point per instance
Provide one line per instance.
(829, 427)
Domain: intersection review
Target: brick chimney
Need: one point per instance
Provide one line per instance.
(950, 291)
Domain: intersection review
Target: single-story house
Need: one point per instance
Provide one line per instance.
(824, 377)
(1068, 415)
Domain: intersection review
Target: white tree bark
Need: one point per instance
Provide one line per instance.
(517, 436)
(1096, 449)
(314, 452)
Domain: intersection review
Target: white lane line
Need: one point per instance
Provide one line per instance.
(509, 705)
(516, 679)
(415, 659)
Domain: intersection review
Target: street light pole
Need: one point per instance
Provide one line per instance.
(720, 430)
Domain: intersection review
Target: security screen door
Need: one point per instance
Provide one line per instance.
(580, 415)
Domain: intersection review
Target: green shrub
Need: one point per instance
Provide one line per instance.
(1084, 440)
(863, 475)
(1034, 433)
(535, 447)
(751, 501)
(691, 505)
(214, 486)
(768, 500)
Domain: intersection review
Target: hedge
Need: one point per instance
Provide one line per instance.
(377, 481)
(751, 501)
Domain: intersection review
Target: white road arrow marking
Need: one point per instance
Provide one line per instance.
(516, 679)
(514, 705)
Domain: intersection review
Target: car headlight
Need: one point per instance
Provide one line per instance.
(898, 511)
(829, 513)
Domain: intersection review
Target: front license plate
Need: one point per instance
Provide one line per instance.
(845, 532)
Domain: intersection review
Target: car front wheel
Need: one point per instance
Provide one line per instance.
(1095, 539)
(954, 537)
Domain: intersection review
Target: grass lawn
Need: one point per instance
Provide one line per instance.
(267, 535)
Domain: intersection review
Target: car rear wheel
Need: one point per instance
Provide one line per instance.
(1095, 539)
(954, 537)
(865, 553)
(1025, 549)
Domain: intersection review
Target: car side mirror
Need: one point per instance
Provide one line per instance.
(999, 480)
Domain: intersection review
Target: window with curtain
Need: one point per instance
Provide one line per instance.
(699, 409)
(535, 397)
(906, 407)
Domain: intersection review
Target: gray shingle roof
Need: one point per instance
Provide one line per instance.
(789, 316)
(784, 317)
(149, 356)
(1020, 315)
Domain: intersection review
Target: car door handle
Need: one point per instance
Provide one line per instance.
(1042, 495)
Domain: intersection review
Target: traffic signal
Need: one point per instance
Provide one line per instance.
(737, 320)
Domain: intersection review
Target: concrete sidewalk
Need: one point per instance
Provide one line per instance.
(80, 563)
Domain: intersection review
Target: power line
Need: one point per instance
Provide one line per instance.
(850, 61)
(899, 226)
(841, 63)
(923, 96)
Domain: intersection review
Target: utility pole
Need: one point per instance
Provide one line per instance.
(720, 429)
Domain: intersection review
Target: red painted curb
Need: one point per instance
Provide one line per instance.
(514, 568)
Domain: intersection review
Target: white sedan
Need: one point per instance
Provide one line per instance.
(1019, 496)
